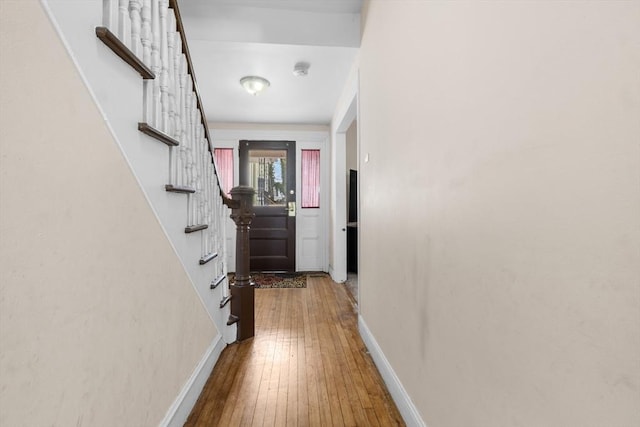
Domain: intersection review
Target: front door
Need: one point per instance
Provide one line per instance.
(270, 168)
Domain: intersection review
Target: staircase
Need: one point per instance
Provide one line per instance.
(140, 73)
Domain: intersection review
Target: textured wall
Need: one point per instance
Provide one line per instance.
(500, 211)
(99, 323)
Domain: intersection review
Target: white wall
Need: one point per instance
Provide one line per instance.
(99, 322)
(500, 208)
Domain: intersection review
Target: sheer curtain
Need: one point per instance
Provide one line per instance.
(310, 178)
(224, 166)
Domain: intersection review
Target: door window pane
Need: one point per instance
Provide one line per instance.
(310, 178)
(267, 176)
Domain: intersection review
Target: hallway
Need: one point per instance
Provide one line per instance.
(306, 366)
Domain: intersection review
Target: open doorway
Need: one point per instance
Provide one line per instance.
(351, 163)
(343, 121)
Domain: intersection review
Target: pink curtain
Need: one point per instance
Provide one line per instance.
(224, 167)
(310, 178)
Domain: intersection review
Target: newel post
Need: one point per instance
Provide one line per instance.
(242, 291)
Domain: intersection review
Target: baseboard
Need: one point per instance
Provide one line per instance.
(402, 400)
(181, 407)
(332, 273)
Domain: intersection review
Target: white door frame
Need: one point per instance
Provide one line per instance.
(346, 113)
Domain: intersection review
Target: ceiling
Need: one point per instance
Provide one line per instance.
(230, 39)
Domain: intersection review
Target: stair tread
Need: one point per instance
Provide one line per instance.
(179, 189)
(194, 228)
(216, 282)
(157, 134)
(120, 49)
(207, 258)
(225, 300)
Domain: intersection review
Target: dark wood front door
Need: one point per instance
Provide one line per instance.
(270, 168)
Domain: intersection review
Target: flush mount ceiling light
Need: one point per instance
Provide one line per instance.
(254, 84)
(301, 69)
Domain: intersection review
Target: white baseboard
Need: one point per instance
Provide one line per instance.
(181, 407)
(332, 273)
(406, 407)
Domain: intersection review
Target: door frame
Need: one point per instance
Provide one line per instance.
(245, 146)
(346, 112)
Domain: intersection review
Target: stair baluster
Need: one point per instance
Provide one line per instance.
(156, 62)
(135, 10)
(164, 68)
(110, 10)
(124, 23)
(146, 39)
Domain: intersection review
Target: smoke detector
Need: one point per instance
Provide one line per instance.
(301, 69)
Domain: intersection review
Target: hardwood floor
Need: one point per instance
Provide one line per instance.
(306, 366)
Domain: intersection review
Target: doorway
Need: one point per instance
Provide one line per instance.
(345, 118)
(270, 168)
(351, 172)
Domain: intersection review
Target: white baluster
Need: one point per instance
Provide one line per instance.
(212, 203)
(146, 36)
(124, 23)
(110, 14)
(177, 62)
(196, 163)
(173, 152)
(207, 208)
(174, 112)
(183, 117)
(135, 9)
(156, 62)
(190, 132)
(171, 46)
(205, 185)
(164, 73)
(200, 180)
(189, 151)
(182, 108)
(190, 209)
(203, 243)
(146, 41)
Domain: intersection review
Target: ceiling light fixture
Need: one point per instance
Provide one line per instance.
(254, 84)
(301, 69)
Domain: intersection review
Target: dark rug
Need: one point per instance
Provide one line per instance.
(276, 280)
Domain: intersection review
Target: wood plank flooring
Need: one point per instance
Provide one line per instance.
(306, 366)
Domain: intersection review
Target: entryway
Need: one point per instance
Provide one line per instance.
(270, 168)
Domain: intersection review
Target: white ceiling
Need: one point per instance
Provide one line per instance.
(230, 39)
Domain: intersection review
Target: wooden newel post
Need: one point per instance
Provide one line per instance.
(242, 291)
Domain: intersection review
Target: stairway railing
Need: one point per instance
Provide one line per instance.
(149, 35)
